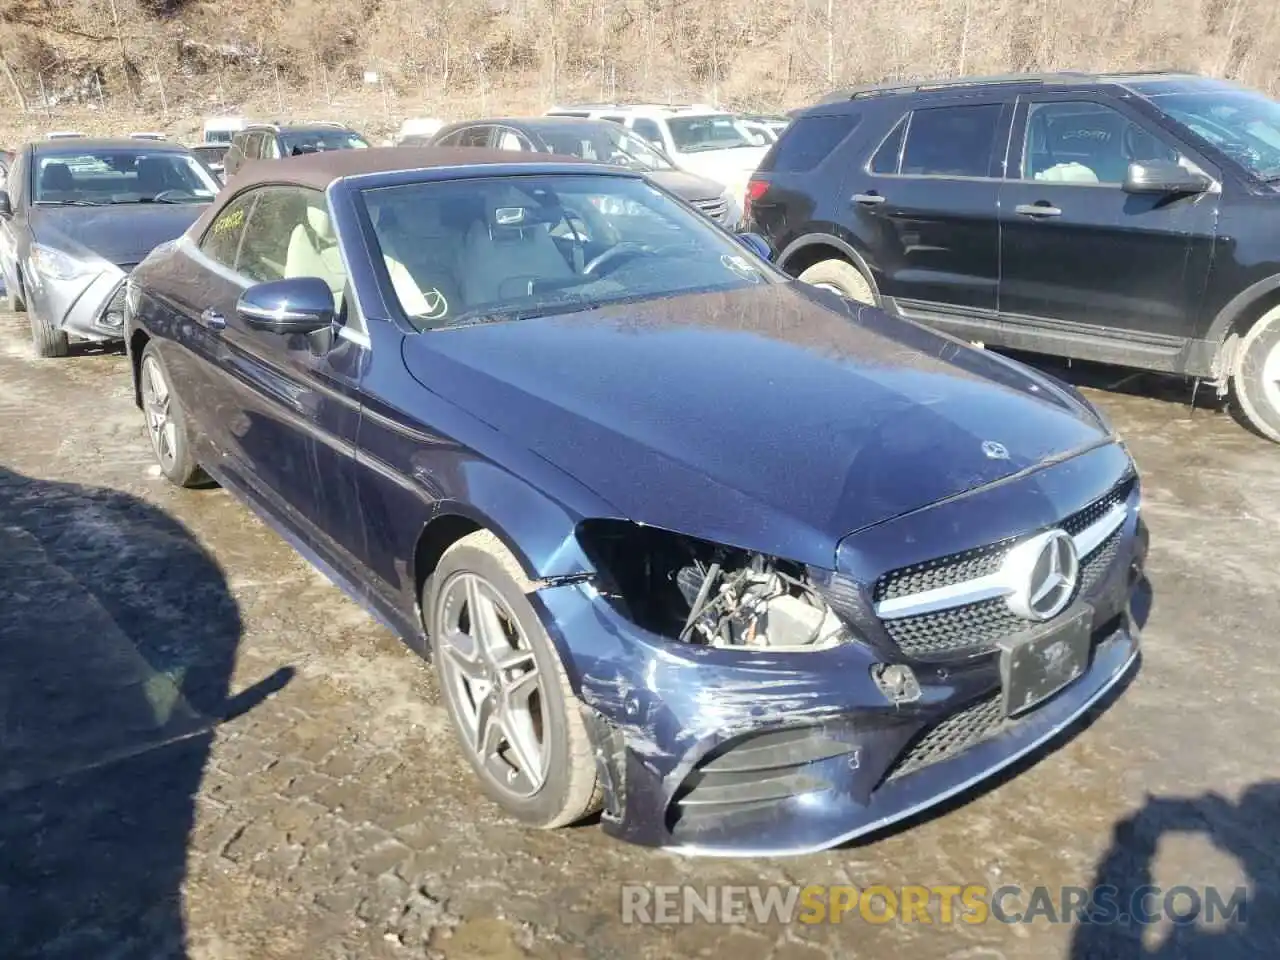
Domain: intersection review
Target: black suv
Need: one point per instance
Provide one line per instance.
(270, 141)
(1128, 218)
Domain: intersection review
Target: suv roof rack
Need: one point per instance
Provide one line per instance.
(1043, 79)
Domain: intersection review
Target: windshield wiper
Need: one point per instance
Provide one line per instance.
(68, 203)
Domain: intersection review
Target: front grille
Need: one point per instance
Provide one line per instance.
(950, 737)
(977, 627)
(715, 209)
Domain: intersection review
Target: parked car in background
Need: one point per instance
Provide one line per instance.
(76, 217)
(417, 127)
(213, 156)
(699, 138)
(221, 129)
(597, 140)
(766, 126)
(63, 134)
(1125, 218)
(270, 141)
(590, 482)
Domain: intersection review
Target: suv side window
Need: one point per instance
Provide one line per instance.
(887, 156)
(951, 141)
(648, 129)
(1080, 141)
(221, 242)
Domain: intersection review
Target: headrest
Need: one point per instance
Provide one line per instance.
(57, 176)
(318, 220)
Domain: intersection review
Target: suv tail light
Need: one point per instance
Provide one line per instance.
(755, 190)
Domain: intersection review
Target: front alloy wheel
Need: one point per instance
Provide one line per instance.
(505, 688)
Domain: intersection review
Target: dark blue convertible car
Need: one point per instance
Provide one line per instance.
(744, 566)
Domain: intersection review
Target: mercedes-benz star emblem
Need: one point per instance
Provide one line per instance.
(1043, 572)
(994, 450)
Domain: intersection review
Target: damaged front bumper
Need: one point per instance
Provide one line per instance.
(717, 751)
(89, 306)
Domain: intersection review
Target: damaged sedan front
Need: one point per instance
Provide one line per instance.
(79, 216)
(743, 566)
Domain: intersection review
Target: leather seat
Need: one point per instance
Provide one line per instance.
(500, 262)
(56, 178)
(152, 176)
(313, 252)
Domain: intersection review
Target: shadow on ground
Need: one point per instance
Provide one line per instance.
(1249, 831)
(117, 642)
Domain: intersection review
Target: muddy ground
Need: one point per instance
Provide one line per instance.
(207, 751)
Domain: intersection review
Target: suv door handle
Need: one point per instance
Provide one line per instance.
(1037, 210)
(212, 319)
(868, 199)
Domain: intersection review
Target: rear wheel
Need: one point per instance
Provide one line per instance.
(840, 277)
(505, 688)
(167, 422)
(1256, 380)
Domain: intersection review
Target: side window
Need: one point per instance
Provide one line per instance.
(886, 159)
(511, 140)
(951, 141)
(809, 141)
(270, 147)
(290, 234)
(452, 140)
(475, 137)
(253, 146)
(221, 242)
(1085, 142)
(647, 129)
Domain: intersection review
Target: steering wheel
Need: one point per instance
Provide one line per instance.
(160, 197)
(624, 249)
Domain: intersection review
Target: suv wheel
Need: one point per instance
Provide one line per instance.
(842, 278)
(1256, 379)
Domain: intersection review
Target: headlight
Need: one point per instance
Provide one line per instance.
(701, 593)
(57, 265)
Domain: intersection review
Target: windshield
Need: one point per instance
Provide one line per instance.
(608, 143)
(708, 132)
(120, 176)
(219, 136)
(1244, 125)
(317, 141)
(477, 250)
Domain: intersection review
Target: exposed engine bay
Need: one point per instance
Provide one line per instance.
(702, 593)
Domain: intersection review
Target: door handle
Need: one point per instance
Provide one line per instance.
(868, 199)
(212, 319)
(1037, 210)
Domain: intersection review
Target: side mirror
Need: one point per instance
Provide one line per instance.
(6, 207)
(294, 305)
(757, 245)
(1163, 177)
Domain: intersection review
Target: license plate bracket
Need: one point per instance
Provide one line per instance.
(1036, 665)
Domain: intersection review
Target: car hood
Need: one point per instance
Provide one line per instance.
(687, 186)
(777, 418)
(121, 234)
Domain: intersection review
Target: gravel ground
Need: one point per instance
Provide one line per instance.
(207, 751)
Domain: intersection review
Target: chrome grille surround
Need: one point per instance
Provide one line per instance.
(956, 605)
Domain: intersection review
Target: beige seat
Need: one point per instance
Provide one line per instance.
(313, 252)
(1069, 172)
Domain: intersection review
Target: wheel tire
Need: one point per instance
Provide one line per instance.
(178, 465)
(47, 341)
(571, 789)
(1256, 379)
(842, 278)
(13, 299)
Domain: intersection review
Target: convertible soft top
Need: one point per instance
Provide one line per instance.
(322, 168)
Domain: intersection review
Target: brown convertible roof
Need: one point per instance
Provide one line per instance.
(321, 169)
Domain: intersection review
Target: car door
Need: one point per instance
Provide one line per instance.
(925, 208)
(1079, 255)
(289, 403)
